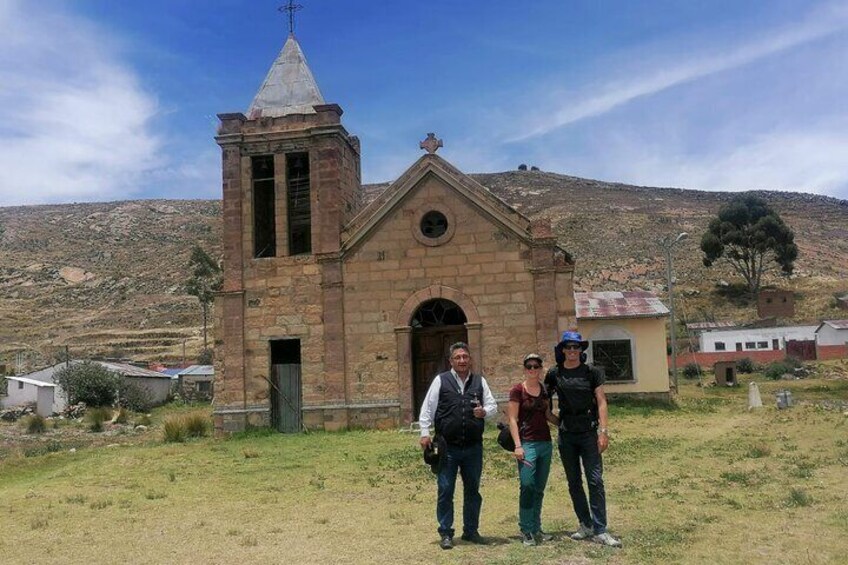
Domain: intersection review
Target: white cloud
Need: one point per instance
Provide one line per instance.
(75, 122)
(613, 93)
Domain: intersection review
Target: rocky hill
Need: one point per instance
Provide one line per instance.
(107, 278)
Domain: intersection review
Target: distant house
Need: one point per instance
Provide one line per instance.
(34, 388)
(23, 391)
(755, 339)
(832, 339)
(697, 328)
(627, 337)
(196, 382)
(775, 303)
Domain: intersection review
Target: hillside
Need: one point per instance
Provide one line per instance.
(107, 278)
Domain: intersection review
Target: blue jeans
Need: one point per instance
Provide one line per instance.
(468, 461)
(574, 447)
(533, 480)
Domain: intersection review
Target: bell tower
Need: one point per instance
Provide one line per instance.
(291, 180)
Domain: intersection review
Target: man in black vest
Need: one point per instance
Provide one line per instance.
(457, 403)
(583, 434)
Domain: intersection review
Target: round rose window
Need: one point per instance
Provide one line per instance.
(434, 224)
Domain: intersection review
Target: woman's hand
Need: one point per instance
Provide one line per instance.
(518, 453)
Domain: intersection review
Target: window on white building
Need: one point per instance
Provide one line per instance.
(719, 346)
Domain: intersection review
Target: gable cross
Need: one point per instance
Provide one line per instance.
(431, 144)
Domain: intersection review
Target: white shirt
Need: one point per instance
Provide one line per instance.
(431, 402)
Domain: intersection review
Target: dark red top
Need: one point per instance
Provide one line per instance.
(532, 424)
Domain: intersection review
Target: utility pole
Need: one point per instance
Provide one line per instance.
(668, 243)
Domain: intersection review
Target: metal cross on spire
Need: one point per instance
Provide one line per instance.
(431, 144)
(291, 8)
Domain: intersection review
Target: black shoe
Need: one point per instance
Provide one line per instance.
(475, 538)
(447, 542)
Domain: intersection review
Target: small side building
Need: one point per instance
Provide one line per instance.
(832, 339)
(775, 303)
(196, 382)
(725, 373)
(24, 391)
(627, 337)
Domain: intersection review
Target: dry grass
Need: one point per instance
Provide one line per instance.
(708, 482)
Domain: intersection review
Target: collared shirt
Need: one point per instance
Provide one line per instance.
(431, 402)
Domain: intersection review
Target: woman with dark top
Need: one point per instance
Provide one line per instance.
(583, 434)
(529, 412)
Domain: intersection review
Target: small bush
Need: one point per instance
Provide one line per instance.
(133, 397)
(123, 416)
(35, 424)
(96, 417)
(206, 356)
(776, 370)
(691, 371)
(88, 382)
(792, 362)
(174, 429)
(745, 365)
(196, 424)
(798, 497)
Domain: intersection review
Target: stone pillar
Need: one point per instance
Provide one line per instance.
(332, 293)
(403, 335)
(544, 283)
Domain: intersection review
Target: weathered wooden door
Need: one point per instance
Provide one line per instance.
(286, 401)
(803, 349)
(430, 356)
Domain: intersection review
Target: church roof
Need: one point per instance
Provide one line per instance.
(289, 87)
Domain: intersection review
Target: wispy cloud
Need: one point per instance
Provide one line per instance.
(617, 92)
(75, 122)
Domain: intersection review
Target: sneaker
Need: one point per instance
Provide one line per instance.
(607, 540)
(447, 542)
(475, 538)
(582, 533)
(543, 536)
(527, 539)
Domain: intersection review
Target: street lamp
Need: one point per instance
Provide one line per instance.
(668, 243)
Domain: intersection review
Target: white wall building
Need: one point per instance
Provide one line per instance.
(23, 391)
(754, 339)
(832, 332)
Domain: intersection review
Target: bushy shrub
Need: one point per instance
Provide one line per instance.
(745, 365)
(206, 356)
(792, 362)
(197, 424)
(691, 371)
(174, 429)
(134, 397)
(776, 370)
(96, 417)
(88, 382)
(35, 424)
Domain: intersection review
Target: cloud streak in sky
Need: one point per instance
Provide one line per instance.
(617, 93)
(75, 122)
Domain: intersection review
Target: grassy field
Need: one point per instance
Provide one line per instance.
(705, 482)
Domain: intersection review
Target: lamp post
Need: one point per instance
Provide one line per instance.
(668, 243)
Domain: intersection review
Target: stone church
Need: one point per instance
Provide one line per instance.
(338, 313)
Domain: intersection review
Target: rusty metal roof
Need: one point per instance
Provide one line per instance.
(837, 324)
(610, 305)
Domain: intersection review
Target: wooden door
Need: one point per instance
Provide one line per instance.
(430, 356)
(286, 400)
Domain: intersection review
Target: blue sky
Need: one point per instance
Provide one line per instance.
(108, 99)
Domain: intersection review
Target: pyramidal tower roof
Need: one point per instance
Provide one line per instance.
(289, 87)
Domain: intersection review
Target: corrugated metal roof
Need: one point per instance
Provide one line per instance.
(31, 382)
(711, 325)
(289, 87)
(197, 370)
(612, 304)
(131, 370)
(837, 324)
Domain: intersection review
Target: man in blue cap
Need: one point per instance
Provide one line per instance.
(583, 434)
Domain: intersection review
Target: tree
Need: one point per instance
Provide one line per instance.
(749, 234)
(88, 382)
(206, 278)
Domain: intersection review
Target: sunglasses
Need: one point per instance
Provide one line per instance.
(532, 367)
(572, 346)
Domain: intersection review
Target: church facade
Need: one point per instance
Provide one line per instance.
(338, 314)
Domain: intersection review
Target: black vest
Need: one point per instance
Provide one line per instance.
(455, 420)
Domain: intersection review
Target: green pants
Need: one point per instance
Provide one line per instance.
(533, 477)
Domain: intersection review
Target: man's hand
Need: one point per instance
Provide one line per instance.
(480, 412)
(425, 442)
(603, 442)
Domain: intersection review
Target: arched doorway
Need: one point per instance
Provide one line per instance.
(436, 325)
